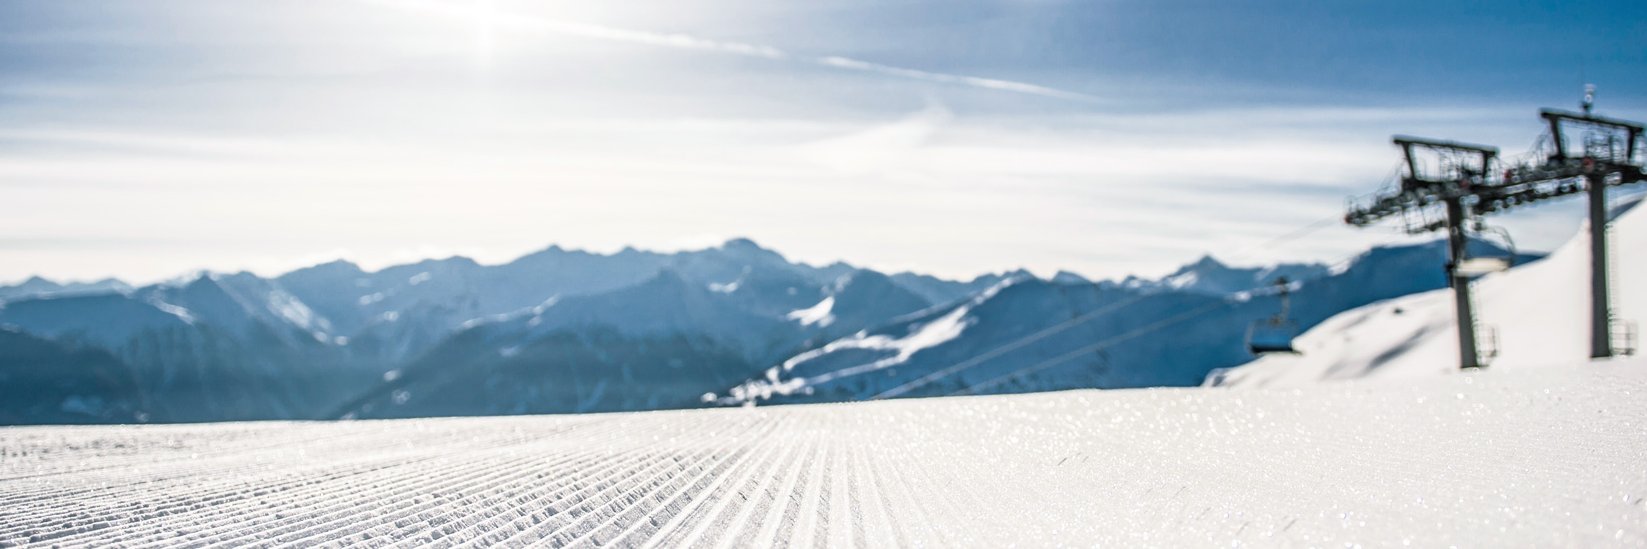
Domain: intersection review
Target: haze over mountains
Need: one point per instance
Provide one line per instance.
(571, 331)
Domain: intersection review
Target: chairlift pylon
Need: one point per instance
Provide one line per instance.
(1276, 333)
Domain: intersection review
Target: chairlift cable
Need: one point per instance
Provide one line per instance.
(1097, 346)
(1301, 231)
(1084, 317)
(1010, 346)
(1294, 234)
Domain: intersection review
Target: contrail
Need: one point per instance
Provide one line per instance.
(690, 42)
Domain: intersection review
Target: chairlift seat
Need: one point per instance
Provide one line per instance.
(1270, 337)
(1260, 350)
(1477, 266)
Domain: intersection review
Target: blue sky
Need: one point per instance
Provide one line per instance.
(143, 140)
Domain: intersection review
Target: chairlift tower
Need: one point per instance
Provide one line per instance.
(1435, 196)
(1606, 154)
(1598, 168)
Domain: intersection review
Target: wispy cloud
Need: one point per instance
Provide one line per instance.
(974, 81)
(295, 127)
(879, 147)
(1104, 194)
(484, 15)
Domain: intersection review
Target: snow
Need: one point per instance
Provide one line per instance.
(946, 326)
(1181, 281)
(726, 288)
(181, 313)
(930, 334)
(1542, 449)
(1536, 457)
(419, 278)
(288, 307)
(1539, 313)
(818, 315)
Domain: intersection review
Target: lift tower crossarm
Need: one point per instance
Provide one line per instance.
(1408, 143)
(1416, 191)
(1555, 116)
(1441, 144)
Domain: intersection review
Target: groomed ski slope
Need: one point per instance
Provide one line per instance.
(1552, 456)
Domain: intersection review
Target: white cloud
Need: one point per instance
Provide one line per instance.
(384, 144)
(879, 147)
(935, 190)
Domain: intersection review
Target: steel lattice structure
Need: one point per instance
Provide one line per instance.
(1461, 183)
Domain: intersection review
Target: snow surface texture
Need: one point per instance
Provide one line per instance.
(1539, 312)
(1536, 457)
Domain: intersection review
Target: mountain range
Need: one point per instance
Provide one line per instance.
(573, 331)
(1029, 334)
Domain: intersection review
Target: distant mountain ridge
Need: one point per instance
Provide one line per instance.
(37, 286)
(239, 346)
(553, 331)
(1211, 277)
(1029, 334)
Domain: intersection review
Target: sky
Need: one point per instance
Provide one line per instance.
(145, 140)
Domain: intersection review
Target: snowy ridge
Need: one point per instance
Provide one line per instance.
(1210, 276)
(816, 314)
(897, 351)
(41, 287)
(1546, 457)
(889, 351)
